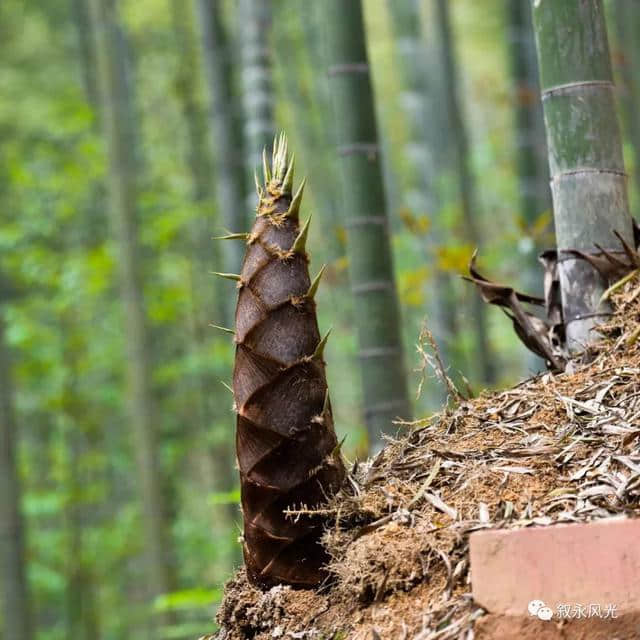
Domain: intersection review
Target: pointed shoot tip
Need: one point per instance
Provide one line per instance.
(265, 166)
(313, 289)
(287, 181)
(300, 244)
(232, 236)
(294, 207)
(319, 351)
(225, 329)
(228, 276)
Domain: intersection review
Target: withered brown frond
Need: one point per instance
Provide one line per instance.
(538, 335)
(547, 336)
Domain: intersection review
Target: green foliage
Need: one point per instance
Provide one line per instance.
(187, 599)
(225, 497)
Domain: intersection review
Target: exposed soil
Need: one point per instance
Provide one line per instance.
(556, 448)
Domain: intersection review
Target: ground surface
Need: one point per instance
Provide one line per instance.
(556, 448)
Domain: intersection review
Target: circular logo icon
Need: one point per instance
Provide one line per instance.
(535, 606)
(545, 613)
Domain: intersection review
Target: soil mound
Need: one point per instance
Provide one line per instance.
(555, 448)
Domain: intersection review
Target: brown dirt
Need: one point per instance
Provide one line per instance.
(556, 448)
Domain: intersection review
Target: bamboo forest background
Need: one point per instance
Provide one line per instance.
(130, 131)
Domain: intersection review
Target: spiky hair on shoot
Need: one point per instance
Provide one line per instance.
(287, 451)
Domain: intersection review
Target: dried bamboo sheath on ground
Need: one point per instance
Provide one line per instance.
(286, 444)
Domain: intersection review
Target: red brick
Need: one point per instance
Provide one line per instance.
(497, 627)
(596, 562)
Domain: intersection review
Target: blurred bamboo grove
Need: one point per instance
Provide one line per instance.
(130, 133)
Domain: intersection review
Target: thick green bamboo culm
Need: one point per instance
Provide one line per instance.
(257, 87)
(13, 583)
(588, 180)
(225, 135)
(376, 311)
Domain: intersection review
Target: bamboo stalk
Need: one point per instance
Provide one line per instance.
(588, 180)
(371, 273)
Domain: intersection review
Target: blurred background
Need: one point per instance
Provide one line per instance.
(130, 130)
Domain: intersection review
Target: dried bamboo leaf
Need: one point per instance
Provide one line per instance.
(439, 504)
(535, 333)
(508, 469)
